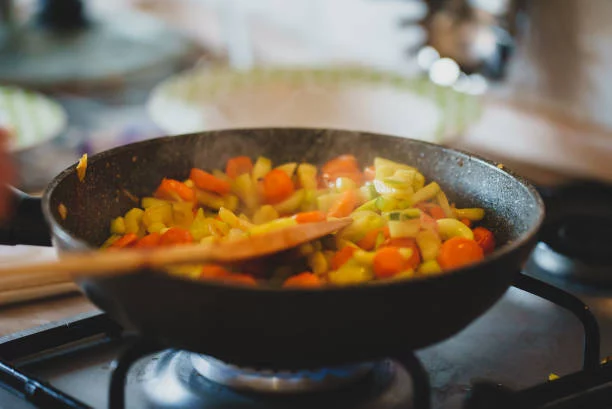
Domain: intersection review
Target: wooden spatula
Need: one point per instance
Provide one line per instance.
(121, 261)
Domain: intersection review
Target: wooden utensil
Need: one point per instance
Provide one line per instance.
(36, 292)
(121, 261)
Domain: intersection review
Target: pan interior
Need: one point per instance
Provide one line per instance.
(114, 178)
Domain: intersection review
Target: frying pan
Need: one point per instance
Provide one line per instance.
(290, 328)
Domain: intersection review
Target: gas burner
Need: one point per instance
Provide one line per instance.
(187, 380)
(575, 238)
(267, 381)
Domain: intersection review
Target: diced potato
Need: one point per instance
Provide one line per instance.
(363, 222)
(189, 183)
(406, 252)
(404, 275)
(292, 203)
(307, 176)
(364, 257)
(368, 192)
(473, 214)
(426, 193)
(160, 213)
(273, 225)
(118, 226)
(452, 228)
(318, 263)
(218, 228)
(188, 270)
(343, 184)
(246, 190)
(182, 214)
(386, 203)
(260, 168)
(369, 205)
(404, 228)
(209, 200)
(443, 202)
(351, 273)
(234, 221)
(430, 267)
(236, 234)
(306, 249)
(221, 175)
(384, 171)
(288, 168)
(309, 203)
(133, 220)
(151, 202)
(418, 182)
(231, 202)
(264, 214)
(326, 201)
(156, 227)
(429, 244)
(200, 226)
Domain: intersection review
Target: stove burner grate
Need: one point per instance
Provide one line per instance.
(575, 238)
(589, 387)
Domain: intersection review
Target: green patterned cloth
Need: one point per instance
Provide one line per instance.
(181, 104)
(30, 117)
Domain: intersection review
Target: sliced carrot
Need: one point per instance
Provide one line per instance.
(341, 164)
(388, 262)
(369, 240)
(238, 166)
(170, 189)
(175, 235)
(437, 212)
(148, 241)
(236, 278)
(458, 252)
(369, 173)
(342, 256)
(467, 222)
(207, 181)
(213, 271)
(485, 239)
(310, 217)
(344, 206)
(125, 241)
(406, 242)
(277, 186)
(303, 280)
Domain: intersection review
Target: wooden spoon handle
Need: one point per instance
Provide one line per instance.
(96, 263)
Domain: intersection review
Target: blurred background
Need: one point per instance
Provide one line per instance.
(521, 81)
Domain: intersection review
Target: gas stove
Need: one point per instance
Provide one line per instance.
(540, 346)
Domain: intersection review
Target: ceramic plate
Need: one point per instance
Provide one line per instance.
(31, 118)
(357, 99)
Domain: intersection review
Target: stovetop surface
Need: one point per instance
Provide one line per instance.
(517, 343)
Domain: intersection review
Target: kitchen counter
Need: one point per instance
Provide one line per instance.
(19, 317)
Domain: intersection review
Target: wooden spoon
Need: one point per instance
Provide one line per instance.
(97, 263)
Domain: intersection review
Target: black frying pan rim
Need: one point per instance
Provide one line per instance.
(58, 230)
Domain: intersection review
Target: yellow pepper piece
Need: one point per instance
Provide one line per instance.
(118, 226)
(81, 167)
(133, 219)
(156, 227)
(318, 263)
(265, 214)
